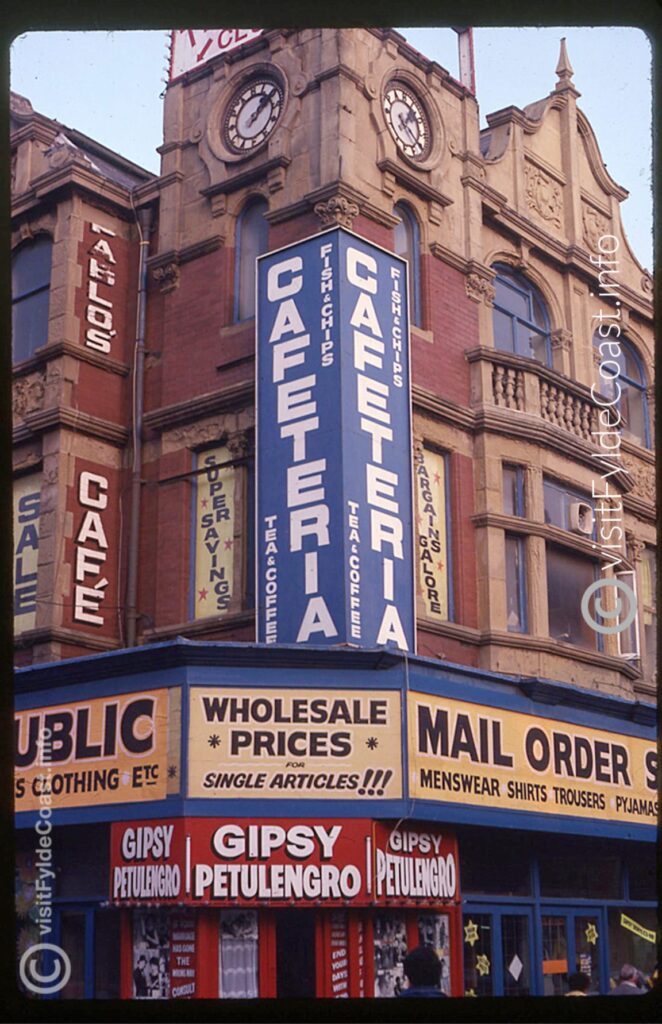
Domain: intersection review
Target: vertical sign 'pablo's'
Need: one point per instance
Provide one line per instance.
(334, 515)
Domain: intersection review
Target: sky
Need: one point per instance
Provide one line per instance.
(109, 85)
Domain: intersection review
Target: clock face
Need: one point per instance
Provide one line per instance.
(252, 115)
(407, 121)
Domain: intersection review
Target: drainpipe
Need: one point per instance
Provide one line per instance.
(144, 220)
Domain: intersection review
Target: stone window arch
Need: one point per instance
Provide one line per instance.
(520, 319)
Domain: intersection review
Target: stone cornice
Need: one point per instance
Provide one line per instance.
(573, 257)
(554, 534)
(69, 419)
(413, 182)
(203, 405)
(74, 176)
(187, 253)
(62, 635)
(326, 192)
(83, 354)
(450, 412)
(245, 177)
(557, 648)
(200, 627)
(453, 630)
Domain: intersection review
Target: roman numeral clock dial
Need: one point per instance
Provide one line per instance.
(252, 115)
(407, 121)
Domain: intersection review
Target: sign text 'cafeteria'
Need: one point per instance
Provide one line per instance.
(334, 523)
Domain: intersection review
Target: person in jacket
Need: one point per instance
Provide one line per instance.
(628, 982)
(422, 969)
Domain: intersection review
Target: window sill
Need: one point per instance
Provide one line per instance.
(420, 335)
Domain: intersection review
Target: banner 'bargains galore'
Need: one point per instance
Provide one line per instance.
(471, 754)
(314, 744)
(334, 509)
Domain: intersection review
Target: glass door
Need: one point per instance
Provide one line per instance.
(573, 940)
(498, 951)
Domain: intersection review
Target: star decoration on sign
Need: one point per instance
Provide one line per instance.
(172, 771)
(436, 478)
(470, 992)
(228, 544)
(440, 566)
(591, 934)
(372, 743)
(470, 933)
(202, 594)
(204, 503)
(214, 741)
(482, 964)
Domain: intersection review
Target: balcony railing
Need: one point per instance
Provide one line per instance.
(511, 382)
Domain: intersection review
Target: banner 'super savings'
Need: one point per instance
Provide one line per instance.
(334, 505)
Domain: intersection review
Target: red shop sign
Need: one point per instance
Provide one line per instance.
(282, 862)
(417, 863)
(218, 862)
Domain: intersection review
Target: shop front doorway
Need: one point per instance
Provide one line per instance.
(295, 954)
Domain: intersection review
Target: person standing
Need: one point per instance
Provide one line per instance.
(423, 972)
(578, 984)
(628, 982)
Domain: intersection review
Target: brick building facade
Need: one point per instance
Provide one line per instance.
(134, 405)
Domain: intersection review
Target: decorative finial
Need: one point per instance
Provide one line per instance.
(564, 68)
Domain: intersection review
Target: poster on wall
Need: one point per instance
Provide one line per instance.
(434, 931)
(104, 750)
(337, 966)
(27, 500)
(334, 475)
(214, 522)
(151, 954)
(466, 753)
(322, 744)
(390, 946)
(430, 486)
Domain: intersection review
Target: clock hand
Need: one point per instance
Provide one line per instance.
(403, 124)
(260, 107)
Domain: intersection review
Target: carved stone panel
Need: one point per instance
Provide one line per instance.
(595, 226)
(28, 394)
(543, 194)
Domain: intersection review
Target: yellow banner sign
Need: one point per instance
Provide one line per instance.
(314, 744)
(103, 751)
(214, 534)
(472, 754)
(27, 495)
(638, 929)
(430, 469)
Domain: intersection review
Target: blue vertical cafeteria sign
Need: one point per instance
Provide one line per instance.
(334, 502)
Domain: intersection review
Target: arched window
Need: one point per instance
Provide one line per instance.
(252, 241)
(407, 243)
(30, 284)
(521, 323)
(623, 380)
